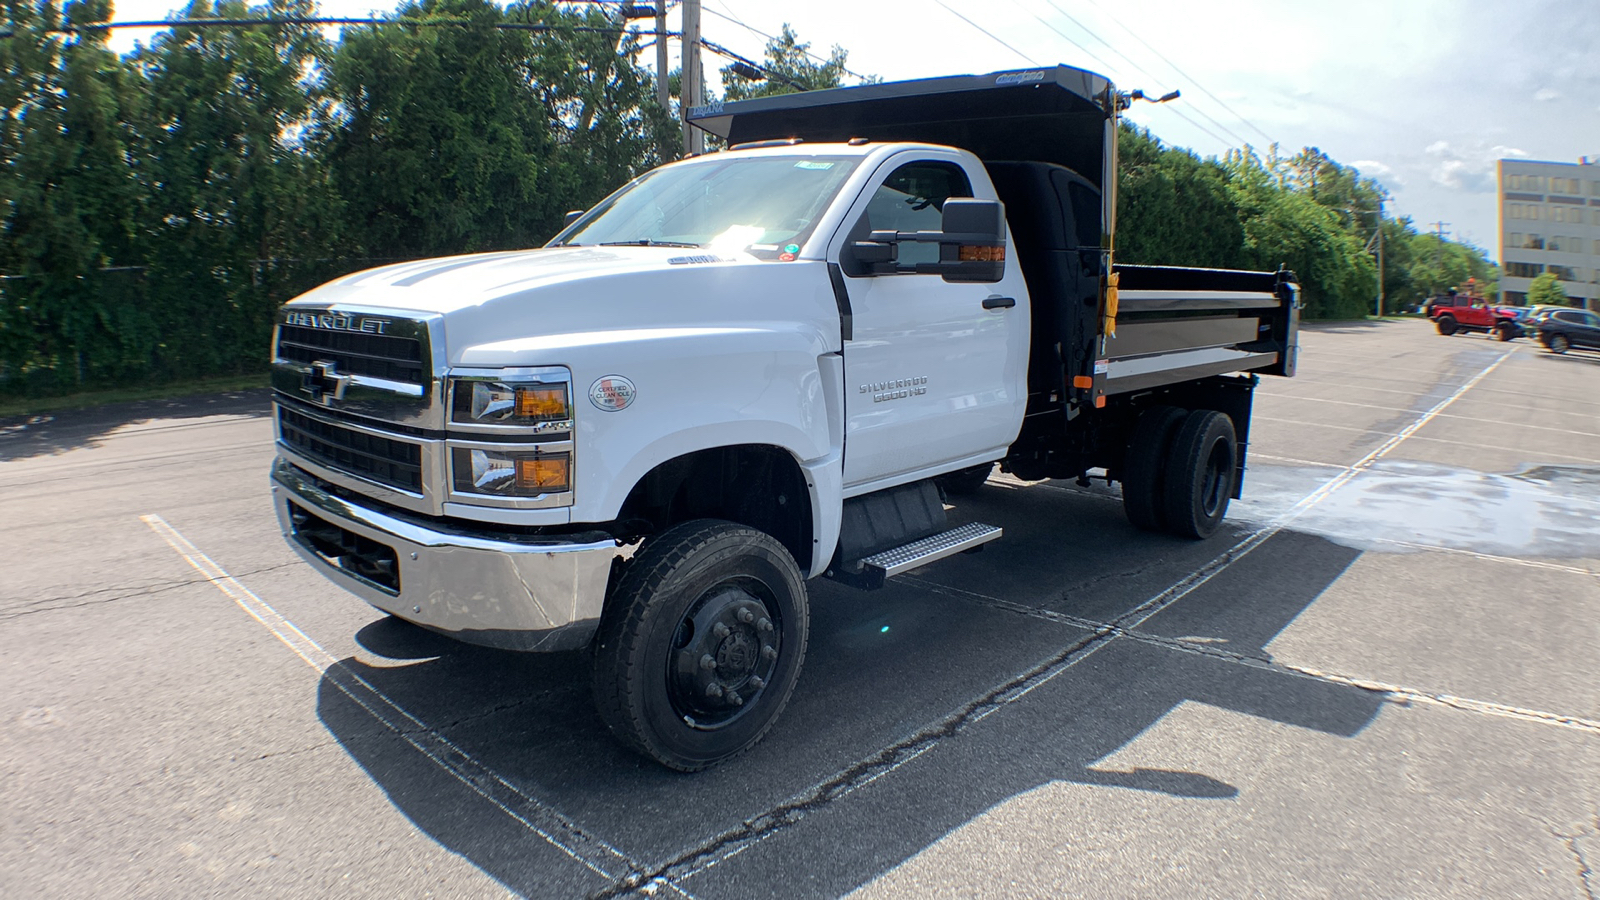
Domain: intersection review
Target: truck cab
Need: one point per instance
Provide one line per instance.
(756, 367)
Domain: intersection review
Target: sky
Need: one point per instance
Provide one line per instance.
(1421, 95)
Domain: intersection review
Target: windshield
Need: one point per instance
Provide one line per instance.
(764, 206)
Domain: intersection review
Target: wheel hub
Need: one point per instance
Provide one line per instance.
(726, 650)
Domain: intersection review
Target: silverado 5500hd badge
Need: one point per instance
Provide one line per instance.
(897, 389)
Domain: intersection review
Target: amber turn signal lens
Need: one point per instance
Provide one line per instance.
(982, 254)
(543, 473)
(542, 402)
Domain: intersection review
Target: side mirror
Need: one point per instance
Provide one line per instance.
(972, 244)
(571, 216)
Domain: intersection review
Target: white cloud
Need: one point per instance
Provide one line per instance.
(1469, 169)
(1545, 95)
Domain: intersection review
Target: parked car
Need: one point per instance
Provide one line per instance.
(1455, 313)
(1562, 329)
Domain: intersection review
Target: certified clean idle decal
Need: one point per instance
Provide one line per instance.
(611, 393)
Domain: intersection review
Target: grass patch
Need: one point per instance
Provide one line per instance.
(27, 406)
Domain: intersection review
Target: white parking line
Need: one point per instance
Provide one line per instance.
(553, 827)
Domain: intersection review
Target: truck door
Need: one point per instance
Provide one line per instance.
(935, 378)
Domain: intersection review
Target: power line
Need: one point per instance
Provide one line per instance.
(729, 17)
(1141, 70)
(1270, 139)
(1045, 23)
(987, 32)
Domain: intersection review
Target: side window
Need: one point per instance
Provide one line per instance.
(912, 199)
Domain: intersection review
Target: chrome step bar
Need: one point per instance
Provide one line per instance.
(890, 563)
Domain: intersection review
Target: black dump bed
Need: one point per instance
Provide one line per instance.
(1048, 138)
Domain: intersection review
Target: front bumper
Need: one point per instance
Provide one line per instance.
(533, 593)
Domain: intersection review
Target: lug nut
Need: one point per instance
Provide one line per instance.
(764, 624)
(746, 616)
(735, 699)
(713, 690)
(708, 662)
(721, 630)
(756, 682)
(769, 654)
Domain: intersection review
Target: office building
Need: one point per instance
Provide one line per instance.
(1550, 222)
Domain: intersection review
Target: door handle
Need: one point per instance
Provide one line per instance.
(999, 302)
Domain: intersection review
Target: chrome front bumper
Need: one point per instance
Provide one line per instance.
(536, 594)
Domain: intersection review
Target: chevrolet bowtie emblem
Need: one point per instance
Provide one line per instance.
(324, 383)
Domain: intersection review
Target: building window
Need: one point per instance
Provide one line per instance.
(1594, 188)
(1531, 242)
(1515, 298)
(1565, 186)
(1565, 273)
(1523, 270)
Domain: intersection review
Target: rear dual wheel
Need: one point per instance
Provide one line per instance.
(1180, 471)
(701, 643)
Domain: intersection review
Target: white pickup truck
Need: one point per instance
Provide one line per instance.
(757, 367)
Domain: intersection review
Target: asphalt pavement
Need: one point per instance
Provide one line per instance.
(1380, 679)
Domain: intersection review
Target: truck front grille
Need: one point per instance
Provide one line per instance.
(375, 355)
(385, 460)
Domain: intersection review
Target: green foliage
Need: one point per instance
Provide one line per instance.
(1306, 212)
(1546, 288)
(1174, 208)
(156, 209)
(788, 68)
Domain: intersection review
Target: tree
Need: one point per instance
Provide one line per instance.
(1172, 207)
(230, 188)
(787, 68)
(68, 198)
(1547, 289)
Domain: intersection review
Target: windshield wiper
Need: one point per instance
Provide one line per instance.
(646, 242)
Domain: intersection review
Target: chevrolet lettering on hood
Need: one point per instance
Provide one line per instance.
(336, 322)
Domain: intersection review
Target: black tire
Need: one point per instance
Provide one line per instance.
(1144, 466)
(1201, 469)
(1446, 325)
(966, 481)
(1557, 343)
(699, 591)
(1505, 332)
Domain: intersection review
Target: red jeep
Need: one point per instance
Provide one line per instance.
(1462, 312)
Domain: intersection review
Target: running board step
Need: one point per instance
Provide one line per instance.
(878, 567)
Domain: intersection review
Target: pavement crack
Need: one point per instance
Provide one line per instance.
(475, 717)
(95, 598)
(1586, 873)
(1126, 624)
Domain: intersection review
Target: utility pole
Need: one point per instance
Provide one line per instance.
(1380, 259)
(1438, 249)
(694, 140)
(663, 92)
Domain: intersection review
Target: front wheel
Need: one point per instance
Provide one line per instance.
(1558, 343)
(701, 644)
(1505, 332)
(1446, 325)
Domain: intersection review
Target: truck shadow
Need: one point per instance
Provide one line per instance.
(881, 669)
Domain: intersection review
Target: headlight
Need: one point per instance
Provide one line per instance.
(484, 402)
(511, 474)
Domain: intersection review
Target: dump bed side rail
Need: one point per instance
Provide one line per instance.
(1176, 324)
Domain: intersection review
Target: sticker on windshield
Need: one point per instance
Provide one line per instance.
(812, 164)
